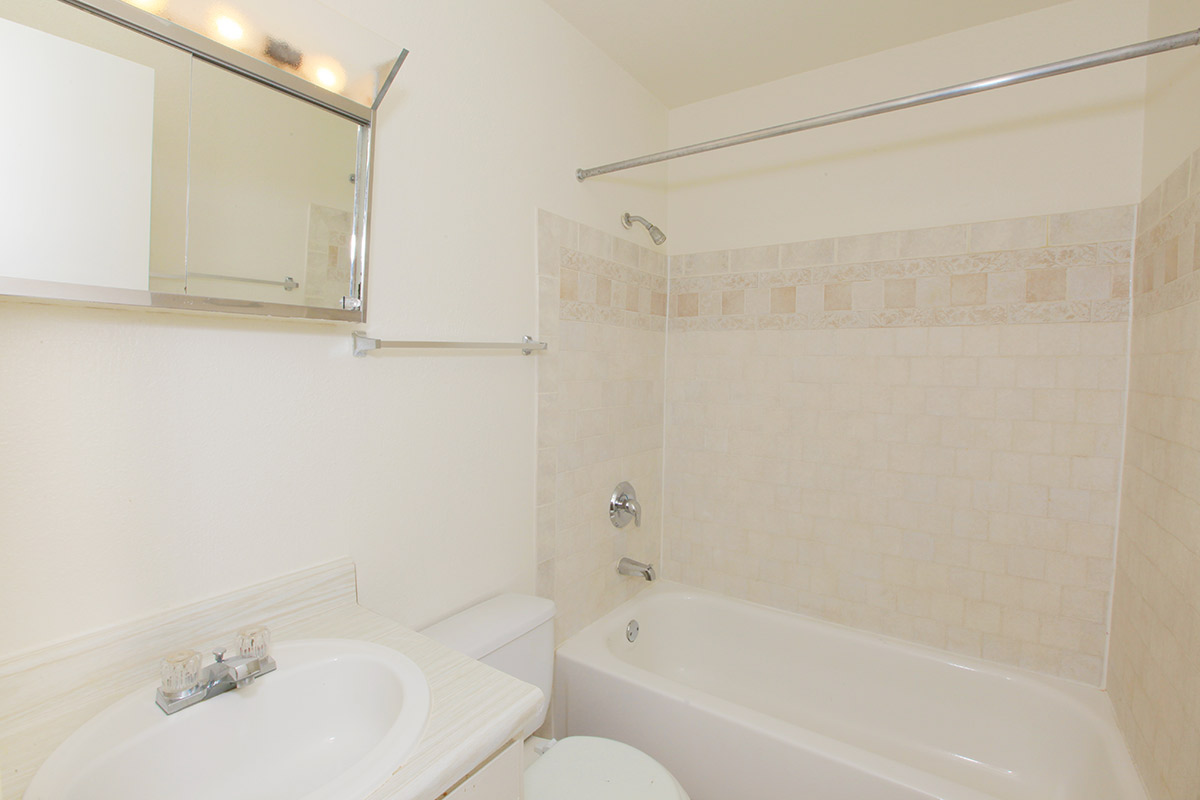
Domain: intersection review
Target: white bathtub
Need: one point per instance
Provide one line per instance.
(743, 701)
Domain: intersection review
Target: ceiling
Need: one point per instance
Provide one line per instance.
(689, 50)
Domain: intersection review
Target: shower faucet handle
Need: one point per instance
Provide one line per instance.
(624, 506)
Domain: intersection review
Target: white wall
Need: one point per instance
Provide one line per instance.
(1172, 86)
(1063, 144)
(152, 459)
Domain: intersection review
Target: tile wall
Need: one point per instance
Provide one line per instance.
(1154, 658)
(602, 308)
(916, 433)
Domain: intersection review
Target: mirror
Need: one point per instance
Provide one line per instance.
(270, 194)
(145, 172)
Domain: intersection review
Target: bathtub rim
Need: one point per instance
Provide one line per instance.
(588, 647)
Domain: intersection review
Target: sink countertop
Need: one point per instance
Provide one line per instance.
(48, 693)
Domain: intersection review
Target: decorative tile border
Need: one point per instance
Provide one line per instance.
(593, 289)
(1168, 248)
(1060, 268)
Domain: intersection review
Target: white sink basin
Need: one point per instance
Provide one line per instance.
(333, 721)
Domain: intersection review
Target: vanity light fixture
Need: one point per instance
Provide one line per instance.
(306, 38)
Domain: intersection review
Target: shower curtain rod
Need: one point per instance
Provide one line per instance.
(1186, 39)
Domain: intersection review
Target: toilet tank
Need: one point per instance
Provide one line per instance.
(513, 633)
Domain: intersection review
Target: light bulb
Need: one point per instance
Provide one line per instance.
(325, 77)
(229, 29)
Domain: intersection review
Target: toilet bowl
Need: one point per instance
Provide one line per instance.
(515, 634)
(591, 768)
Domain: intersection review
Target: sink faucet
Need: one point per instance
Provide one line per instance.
(184, 683)
(636, 569)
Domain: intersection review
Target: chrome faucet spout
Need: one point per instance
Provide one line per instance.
(636, 569)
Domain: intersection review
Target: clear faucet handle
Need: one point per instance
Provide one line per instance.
(254, 642)
(180, 672)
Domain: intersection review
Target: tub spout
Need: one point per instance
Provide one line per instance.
(636, 569)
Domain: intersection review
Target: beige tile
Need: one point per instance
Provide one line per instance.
(1175, 188)
(872, 247)
(1006, 287)
(604, 295)
(1045, 285)
(1095, 225)
(704, 263)
(807, 254)
(587, 288)
(633, 298)
(652, 262)
(626, 253)
(1008, 234)
(933, 292)
(900, 293)
(689, 305)
(710, 304)
(866, 295)
(949, 240)
(968, 290)
(810, 299)
(658, 303)
(1187, 250)
(758, 301)
(838, 297)
(754, 259)
(733, 303)
(568, 285)
(783, 300)
(595, 242)
(1089, 283)
(1170, 260)
(1150, 210)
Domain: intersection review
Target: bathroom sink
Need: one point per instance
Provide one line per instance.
(334, 720)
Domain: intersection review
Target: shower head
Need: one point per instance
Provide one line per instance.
(656, 235)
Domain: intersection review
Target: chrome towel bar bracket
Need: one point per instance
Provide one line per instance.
(364, 344)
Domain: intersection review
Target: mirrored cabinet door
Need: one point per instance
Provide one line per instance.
(271, 194)
(94, 150)
(139, 172)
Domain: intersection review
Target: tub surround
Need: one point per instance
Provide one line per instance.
(45, 694)
(916, 433)
(1153, 676)
(602, 307)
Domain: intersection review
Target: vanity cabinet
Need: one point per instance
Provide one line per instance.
(498, 778)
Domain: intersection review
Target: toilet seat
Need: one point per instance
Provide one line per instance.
(591, 768)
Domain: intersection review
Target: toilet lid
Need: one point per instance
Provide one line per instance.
(590, 768)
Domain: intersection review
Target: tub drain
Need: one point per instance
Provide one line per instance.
(631, 630)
